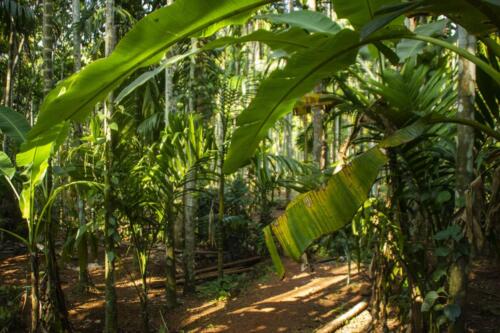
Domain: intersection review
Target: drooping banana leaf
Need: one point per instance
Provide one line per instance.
(144, 45)
(320, 212)
(278, 94)
(273, 251)
(13, 124)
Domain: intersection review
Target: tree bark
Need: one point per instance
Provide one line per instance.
(221, 138)
(110, 223)
(83, 277)
(170, 282)
(189, 198)
(464, 171)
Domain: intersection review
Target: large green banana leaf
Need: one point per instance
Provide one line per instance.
(483, 16)
(305, 19)
(320, 212)
(144, 45)
(278, 94)
(13, 124)
(360, 12)
(280, 91)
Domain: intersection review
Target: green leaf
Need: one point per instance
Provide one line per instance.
(438, 274)
(305, 19)
(290, 40)
(408, 47)
(443, 196)
(406, 134)
(320, 212)
(146, 76)
(6, 167)
(278, 94)
(13, 124)
(452, 311)
(358, 12)
(142, 46)
(452, 232)
(442, 251)
(482, 16)
(429, 300)
(271, 246)
(34, 158)
(386, 17)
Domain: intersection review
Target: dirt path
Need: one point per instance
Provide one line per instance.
(299, 303)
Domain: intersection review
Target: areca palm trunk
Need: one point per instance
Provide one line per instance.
(316, 115)
(83, 279)
(464, 170)
(189, 199)
(288, 140)
(55, 315)
(110, 223)
(221, 137)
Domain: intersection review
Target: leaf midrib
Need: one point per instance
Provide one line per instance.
(160, 49)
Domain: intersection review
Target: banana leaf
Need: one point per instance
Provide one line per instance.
(13, 124)
(278, 94)
(320, 212)
(142, 46)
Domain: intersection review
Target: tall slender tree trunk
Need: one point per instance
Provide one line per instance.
(316, 115)
(83, 275)
(464, 170)
(289, 120)
(169, 93)
(221, 138)
(110, 223)
(55, 315)
(189, 198)
(170, 285)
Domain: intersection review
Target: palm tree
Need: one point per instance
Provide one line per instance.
(110, 230)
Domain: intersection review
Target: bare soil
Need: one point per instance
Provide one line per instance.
(301, 302)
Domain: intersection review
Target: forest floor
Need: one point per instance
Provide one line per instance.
(301, 302)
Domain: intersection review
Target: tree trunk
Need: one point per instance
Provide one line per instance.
(189, 198)
(289, 121)
(55, 315)
(170, 282)
(464, 170)
(316, 115)
(219, 228)
(35, 290)
(169, 93)
(110, 223)
(83, 277)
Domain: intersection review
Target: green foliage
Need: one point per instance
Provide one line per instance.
(304, 19)
(6, 167)
(324, 211)
(278, 94)
(360, 13)
(144, 45)
(13, 124)
(10, 306)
